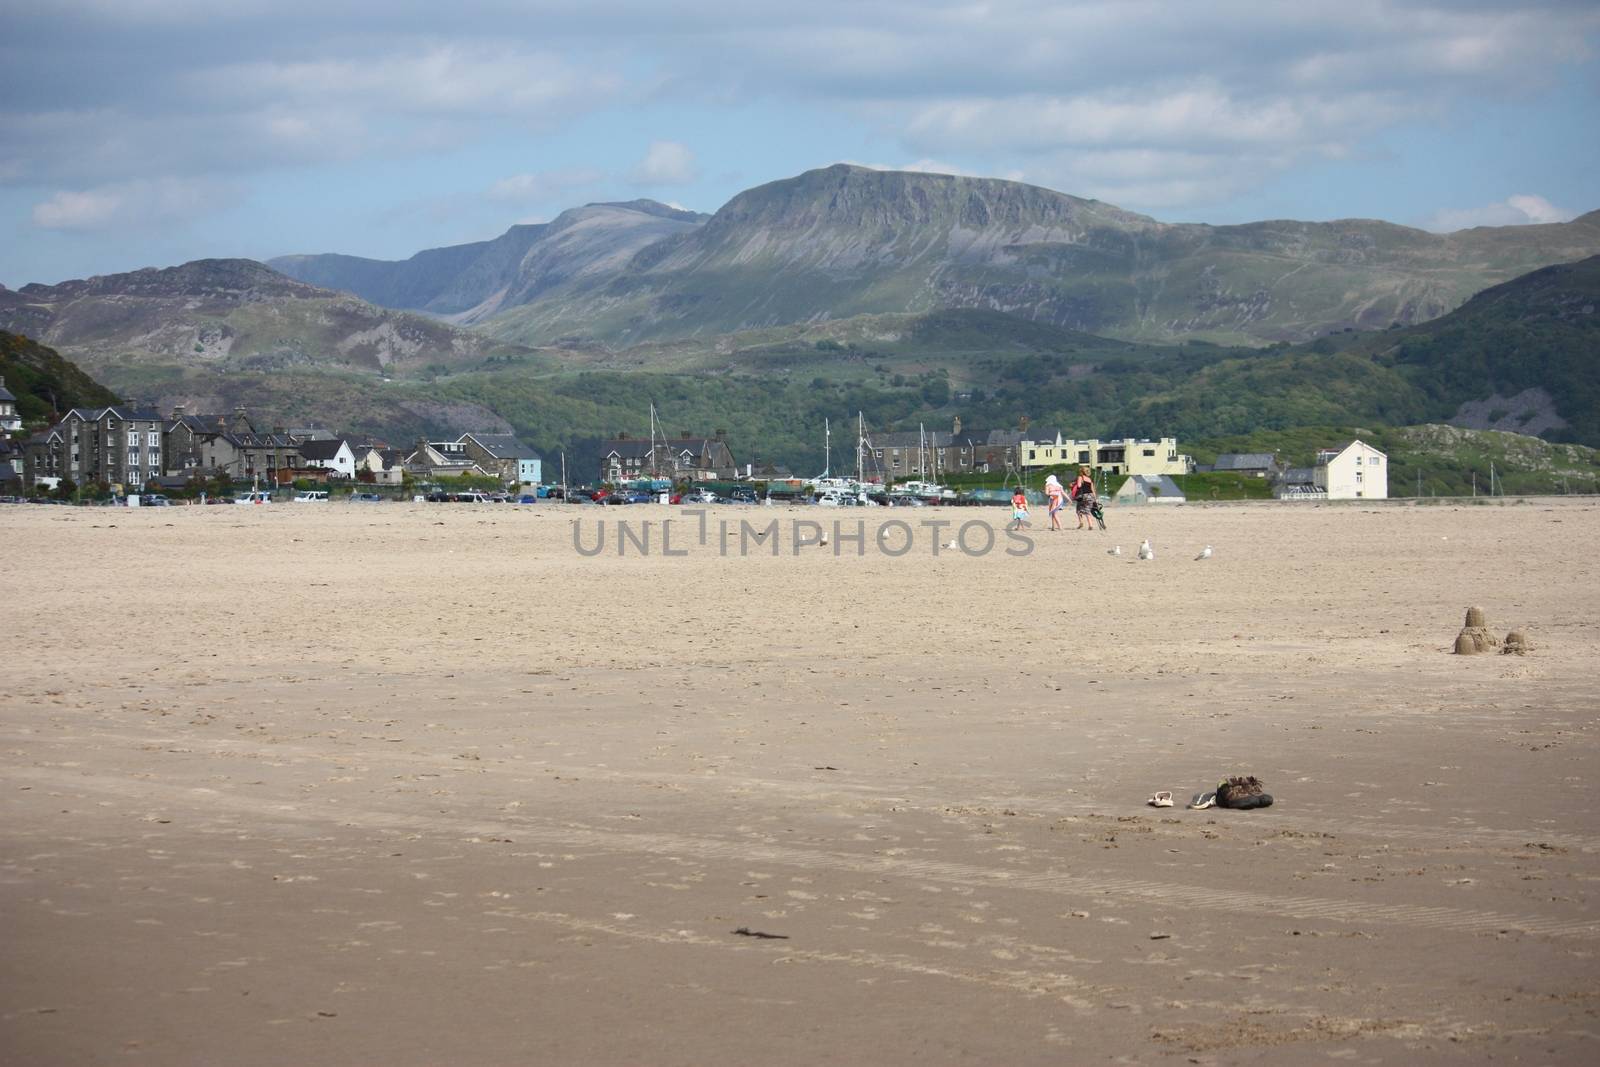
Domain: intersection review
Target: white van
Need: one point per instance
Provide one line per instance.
(311, 496)
(258, 496)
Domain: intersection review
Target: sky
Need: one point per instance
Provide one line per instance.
(140, 133)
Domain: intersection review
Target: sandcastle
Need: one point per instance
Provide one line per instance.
(1475, 636)
(1516, 643)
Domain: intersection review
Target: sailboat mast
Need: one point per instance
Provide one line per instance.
(655, 471)
(861, 444)
(827, 448)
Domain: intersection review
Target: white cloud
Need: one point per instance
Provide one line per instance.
(665, 163)
(1522, 209)
(108, 91)
(546, 184)
(136, 205)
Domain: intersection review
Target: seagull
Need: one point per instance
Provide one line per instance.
(1115, 551)
(1205, 553)
(1145, 551)
(824, 540)
(952, 545)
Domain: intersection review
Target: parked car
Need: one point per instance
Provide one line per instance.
(742, 496)
(258, 496)
(366, 498)
(154, 500)
(528, 498)
(311, 496)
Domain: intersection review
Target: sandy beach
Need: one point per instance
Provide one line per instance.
(424, 784)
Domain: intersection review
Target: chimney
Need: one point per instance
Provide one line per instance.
(1024, 423)
(721, 434)
(179, 411)
(956, 428)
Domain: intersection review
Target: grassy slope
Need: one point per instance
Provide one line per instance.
(42, 381)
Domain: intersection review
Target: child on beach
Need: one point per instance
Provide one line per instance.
(1019, 510)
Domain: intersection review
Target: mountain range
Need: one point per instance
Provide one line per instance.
(638, 302)
(468, 283)
(844, 241)
(232, 314)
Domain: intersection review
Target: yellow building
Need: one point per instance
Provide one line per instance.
(1127, 456)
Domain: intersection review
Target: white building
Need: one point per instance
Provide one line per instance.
(10, 421)
(335, 456)
(1127, 456)
(1357, 471)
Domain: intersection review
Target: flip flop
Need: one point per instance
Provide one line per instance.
(1162, 799)
(1204, 800)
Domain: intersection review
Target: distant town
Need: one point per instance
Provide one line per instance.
(121, 451)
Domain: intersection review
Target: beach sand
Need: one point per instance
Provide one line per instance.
(413, 784)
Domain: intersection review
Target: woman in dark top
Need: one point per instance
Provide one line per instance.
(1083, 495)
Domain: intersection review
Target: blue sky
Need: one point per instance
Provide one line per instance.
(151, 132)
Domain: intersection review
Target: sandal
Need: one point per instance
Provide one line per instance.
(1204, 800)
(1162, 799)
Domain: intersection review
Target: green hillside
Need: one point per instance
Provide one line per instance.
(1432, 459)
(1538, 332)
(43, 382)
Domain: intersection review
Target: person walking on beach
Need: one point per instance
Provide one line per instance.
(1083, 497)
(1058, 499)
(1019, 509)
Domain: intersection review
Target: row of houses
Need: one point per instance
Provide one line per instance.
(1354, 470)
(889, 456)
(131, 447)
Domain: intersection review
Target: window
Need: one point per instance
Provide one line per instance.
(1358, 461)
(1149, 453)
(1376, 460)
(133, 458)
(153, 439)
(1358, 477)
(133, 475)
(155, 458)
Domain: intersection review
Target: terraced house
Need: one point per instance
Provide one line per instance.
(681, 458)
(116, 445)
(505, 456)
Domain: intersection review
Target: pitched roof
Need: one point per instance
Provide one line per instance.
(5, 394)
(911, 439)
(639, 448)
(1150, 485)
(130, 414)
(259, 440)
(1244, 461)
(502, 445)
(320, 449)
(200, 423)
